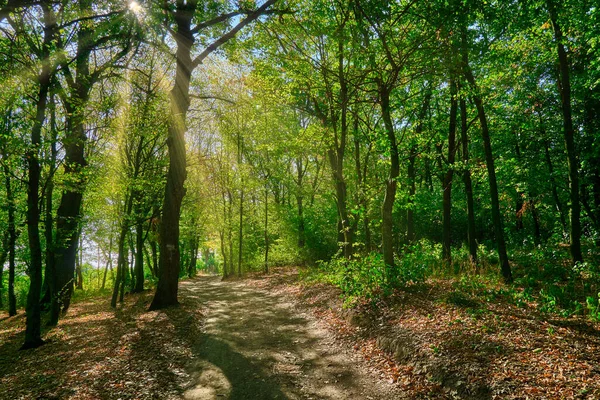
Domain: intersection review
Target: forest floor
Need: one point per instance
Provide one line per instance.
(278, 337)
(228, 339)
(440, 340)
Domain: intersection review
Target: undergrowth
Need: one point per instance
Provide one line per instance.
(544, 278)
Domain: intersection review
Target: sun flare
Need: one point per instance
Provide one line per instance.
(135, 7)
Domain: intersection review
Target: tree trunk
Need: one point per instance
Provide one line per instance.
(49, 219)
(108, 262)
(166, 290)
(223, 253)
(69, 209)
(139, 257)
(191, 270)
(3, 256)
(387, 223)
(266, 229)
(33, 329)
(471, 234)
(489, 160)
(412, 174)
(300, 203)
(557, 202)
(447, 185)
(241, 232)
(230, 231)
(12, 240)
(78, 264)
(564, 87)
(121, 257)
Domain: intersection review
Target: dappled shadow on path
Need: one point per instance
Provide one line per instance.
(255, 346)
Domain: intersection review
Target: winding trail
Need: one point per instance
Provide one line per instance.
(256, 345)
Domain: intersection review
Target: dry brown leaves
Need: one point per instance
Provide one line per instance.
(515, 352)
(99, 353)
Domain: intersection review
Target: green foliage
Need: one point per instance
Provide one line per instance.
(593, 306)
(418, 262)
(358, 278)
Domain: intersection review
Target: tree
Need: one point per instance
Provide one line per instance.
(181, 16)
(564, 88)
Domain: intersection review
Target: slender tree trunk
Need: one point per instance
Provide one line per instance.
(230, 231)
(489, 160)
(336, 157)
(33, 333)
(49, 219)
(471, 233)
(223, 253)
(139, 257)
(557, 202)
(412, 174)
(447, 185)
(78, 264)
(241, 215)
(69, 210)
(387, 223)
(300, 203)
(519, 202)
(166, 290)
(3, 257)
(241, 232)
(12, 239)
(537, 235)
(412, 189)
(194, 245)
(121, 257)
(564, 87)
(266, 229)
(108, 262)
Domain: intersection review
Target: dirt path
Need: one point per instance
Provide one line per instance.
(255, 345)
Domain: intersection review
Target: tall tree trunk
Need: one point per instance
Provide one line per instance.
(387, 222)
(3, 257)
(33, 324)
(489, 160)
(49, 219)
(447, 185)
(266, 229)
(471, 234)
(241, 232)
(12, 240)
(166, 290)
(121, 257)
(33, 336)
(412, 174)
(557, 202)
(230, 232)
(191, 263)
(564, 87)
(519, 201)
(300, 202)
(69, 209)
(139, 257)
(223, 253)
(241, 220)
(108, 262)
(78, 264)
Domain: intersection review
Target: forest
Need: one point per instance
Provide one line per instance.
(376, 154)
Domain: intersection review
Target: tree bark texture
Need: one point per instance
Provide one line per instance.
(489, 160)
(464, 138)
(447, 184)
(564, 87)
(387, 222)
